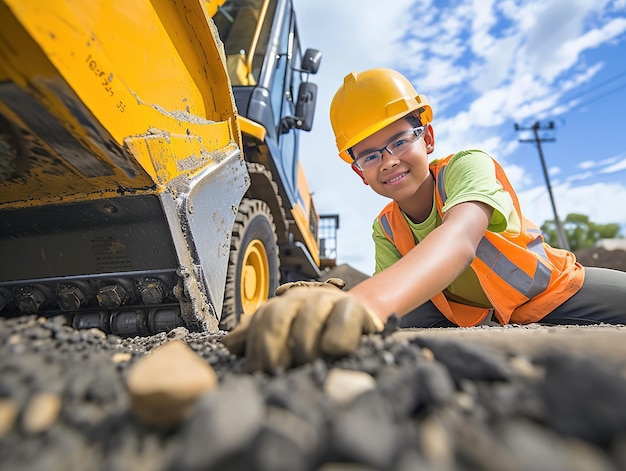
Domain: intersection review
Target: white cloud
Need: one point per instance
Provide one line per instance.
(593, 38)
(497, 66)
(618, 6)
(614, 168)
(586, 164)
(598, 168)
(580, 78)
(518, 176)
(580, 177)
(551, 28)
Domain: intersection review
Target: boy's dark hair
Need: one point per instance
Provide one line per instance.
(414, 118)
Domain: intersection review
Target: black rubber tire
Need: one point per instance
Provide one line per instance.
(253, 248)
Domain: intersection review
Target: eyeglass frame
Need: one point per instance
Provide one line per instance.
(418, 132)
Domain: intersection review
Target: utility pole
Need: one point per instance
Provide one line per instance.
(535, 128)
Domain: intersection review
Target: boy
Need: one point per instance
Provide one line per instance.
(452, 247)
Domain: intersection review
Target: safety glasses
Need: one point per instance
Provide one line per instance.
(396, 146)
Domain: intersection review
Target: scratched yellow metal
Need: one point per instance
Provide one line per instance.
(302, 216)
(212, 6)
(111, 74)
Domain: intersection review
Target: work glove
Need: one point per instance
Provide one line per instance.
(329, 283)
(236, 339)
(299, 325)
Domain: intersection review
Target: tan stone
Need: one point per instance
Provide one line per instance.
(121, 357)
(436, 443)
(524, 367)
(41, 412)
(343, 386)
(165, 384)
(8, 414)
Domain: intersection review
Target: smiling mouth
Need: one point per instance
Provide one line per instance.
(395, 179)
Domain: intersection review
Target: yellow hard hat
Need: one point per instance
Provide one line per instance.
(370, 100)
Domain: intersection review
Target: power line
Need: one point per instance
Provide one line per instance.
(538, 140)
(604, 95)
(594, 89)
(601, 84)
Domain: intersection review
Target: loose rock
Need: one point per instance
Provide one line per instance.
(165, 384)
(342, 386)
(41, 412)
(429, 403)
(8, 414)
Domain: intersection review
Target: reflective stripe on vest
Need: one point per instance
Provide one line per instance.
(501, 265)
(384, 222)
(508, 271)
(536, 245)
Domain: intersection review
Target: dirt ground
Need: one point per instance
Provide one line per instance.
(600, 257)
(606, 342)
(483, 398)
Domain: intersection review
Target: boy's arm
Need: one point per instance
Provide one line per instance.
(305, 323)
(429, 267)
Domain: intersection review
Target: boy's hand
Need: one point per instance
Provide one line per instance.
(301, 325)
(329, 283)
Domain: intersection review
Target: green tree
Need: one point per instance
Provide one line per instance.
(580, 231)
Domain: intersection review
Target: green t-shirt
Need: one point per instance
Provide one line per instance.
(470, 176)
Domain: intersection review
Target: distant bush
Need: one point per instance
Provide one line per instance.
(579, 231)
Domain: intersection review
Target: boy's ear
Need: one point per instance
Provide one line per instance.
(429, 138)
(359, 173)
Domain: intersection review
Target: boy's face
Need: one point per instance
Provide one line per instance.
(396, 177)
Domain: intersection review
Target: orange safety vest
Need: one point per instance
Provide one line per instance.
(523, 277)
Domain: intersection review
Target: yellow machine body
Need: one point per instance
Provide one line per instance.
(110, 74)
(149, 173)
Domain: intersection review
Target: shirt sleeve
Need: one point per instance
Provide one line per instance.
(471, 176)
(386, 254)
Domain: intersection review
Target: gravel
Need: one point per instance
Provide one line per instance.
(416, 402)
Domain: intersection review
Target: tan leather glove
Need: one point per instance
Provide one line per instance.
(236, 340)
(300, 325)
(329, 283)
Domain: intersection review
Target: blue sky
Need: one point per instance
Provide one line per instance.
(484, 66)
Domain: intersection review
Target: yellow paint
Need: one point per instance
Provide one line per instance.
(134, 70)
(133, 64)
(255, 277)
(256, 36)
(212, 6)
(253, 129)
(301, 216)
(302, 222)
(165, 157)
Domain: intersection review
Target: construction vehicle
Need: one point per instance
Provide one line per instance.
(149, 172)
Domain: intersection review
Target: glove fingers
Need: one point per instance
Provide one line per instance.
(268, 343)
(346, 323)
(371, 323)
(235, 340)
(329, 283)
(343, 328)
(337, 282)
(308, 327)
(285, 287)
